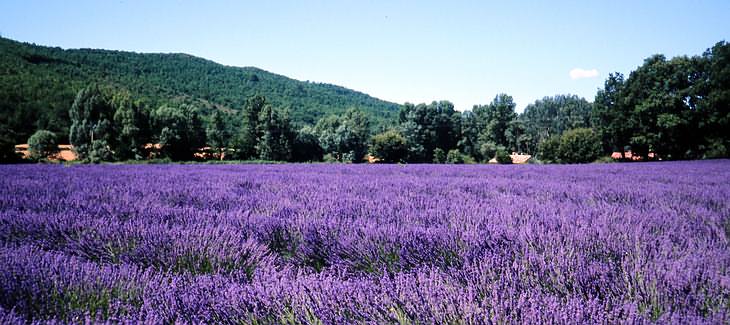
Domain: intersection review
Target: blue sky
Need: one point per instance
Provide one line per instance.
(416, 51)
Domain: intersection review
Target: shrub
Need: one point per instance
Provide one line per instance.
(503, 157)
(549, 150)
(716, 149)
(454, 157)
(488, 150)
(389, 146)
(329, 158)
(605, 159)
(100, 151)
(468, 159)
(580, 145)
(42, 144)
(439, 156)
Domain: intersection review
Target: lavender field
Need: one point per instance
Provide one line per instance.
(341, 244)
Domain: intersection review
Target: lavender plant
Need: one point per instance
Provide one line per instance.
(334, 244)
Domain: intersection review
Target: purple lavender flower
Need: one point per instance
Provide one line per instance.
(333, 244)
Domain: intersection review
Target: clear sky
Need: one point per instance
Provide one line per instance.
(415, 51)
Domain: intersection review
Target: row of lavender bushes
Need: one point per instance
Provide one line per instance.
(311, 244)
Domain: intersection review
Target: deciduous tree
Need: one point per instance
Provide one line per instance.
(389, 146)
(181, 130)
(91, 120)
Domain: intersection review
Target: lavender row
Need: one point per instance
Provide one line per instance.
(307, 243)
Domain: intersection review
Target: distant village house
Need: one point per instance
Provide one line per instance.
(517, 158)
(628, 155)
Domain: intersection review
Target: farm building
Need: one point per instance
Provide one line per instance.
(371, 159)
(516, 158)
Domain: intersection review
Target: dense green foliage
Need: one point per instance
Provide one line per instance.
(306, 146)
(389, 146)
(502, 157)
(495, 120)
(553, 116)
(7, 151)
(678, 108)
(181, 131)
(127, 106)
(92, 131)
(344, 138)
(276, 135)
(437, 133)
(549, 150)
(454, 157)
(489, 128)
(42, 144)
(580, 145)
(439, 156)
(132, 127)
(218, 133)
(427, 127)
(38, 84)
(248, 134)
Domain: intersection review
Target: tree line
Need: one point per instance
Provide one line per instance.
(38, 84)
(675, 108)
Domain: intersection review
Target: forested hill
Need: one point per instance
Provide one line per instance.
(38, 85)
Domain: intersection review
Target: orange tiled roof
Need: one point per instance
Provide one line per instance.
(65, 154)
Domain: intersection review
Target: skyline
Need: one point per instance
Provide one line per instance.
(394, 51)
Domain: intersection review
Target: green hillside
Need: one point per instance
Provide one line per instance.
(39, 83)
